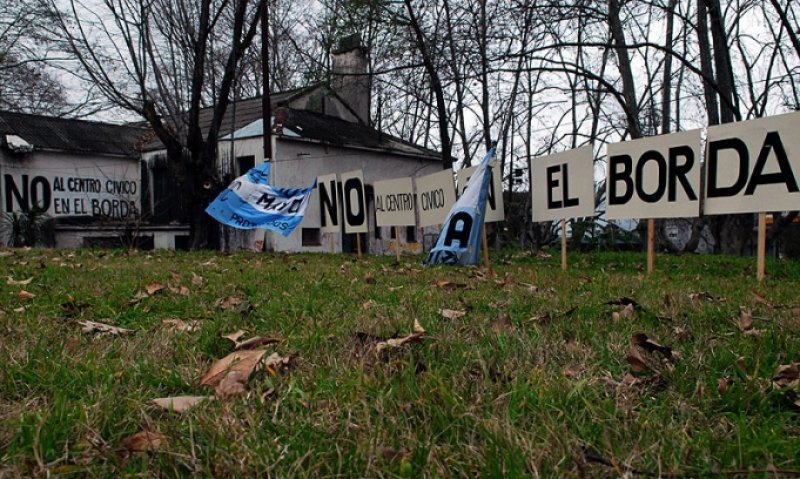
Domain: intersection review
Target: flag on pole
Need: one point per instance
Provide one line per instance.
(250, 202)
(460, 239)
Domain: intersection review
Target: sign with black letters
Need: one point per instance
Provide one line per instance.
(563, 185)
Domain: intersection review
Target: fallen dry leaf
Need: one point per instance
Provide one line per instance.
(787, 375)
(502, 324)
(25, 295)
(369, 278)
(369, 304)
(636, 360)
(628, 311)
(572, 371)
(197, 280)
(616, 317)
(242, 361)
(418, 327)
(256, 341)
(181, 325)
(94, 327)
(179, 404)
(641, 340)
(21, 309)
(144, 441)
(231, 385)
(444, 284)
(745, 320)
(229, 302)
(275, 363)
(761, 299)
(153, 288)
(452, 313)
(13, 282)
(397, 342)
(234, 337)
(723, 384)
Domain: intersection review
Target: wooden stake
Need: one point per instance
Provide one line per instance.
(564, 245)
(331, 241)
(651, 244)
(762, 245)
(397, 242)
(358, 245)
(486, 250)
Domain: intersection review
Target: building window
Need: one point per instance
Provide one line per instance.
(244, 164)
(312, 237)
(411, 234)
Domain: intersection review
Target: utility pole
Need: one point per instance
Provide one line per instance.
(266, 104)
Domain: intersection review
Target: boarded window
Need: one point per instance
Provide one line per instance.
(312, 237)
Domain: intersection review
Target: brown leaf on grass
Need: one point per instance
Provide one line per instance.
(176, 276)
(234, 337)
(452, 313)
(179, 404)
(197, 280)
(507, 282)
(25, 295)
(393, 455)
(723, 384)
(616, 317)
(641, 340)
(450, 286)
(745, 319)
(243, 362)
(229, 302)
(628, 311)
(369, 304)
(369, 278)
(255, 342)
(573, 371)
(181, 325)
(502, 324)
(531, 288)
(414, 337)
(13, 282)
(233, 384)
(144, 441)
(21, 309)
(681, 333)
(636, 360)
(94, 327)
(761, 299)
(787, 375)
(623, 301)
(154, 288)
(276, 363)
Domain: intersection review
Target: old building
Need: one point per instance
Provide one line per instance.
(85, 175)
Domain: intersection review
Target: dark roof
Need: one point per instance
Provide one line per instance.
(335, 131)
(63, 134)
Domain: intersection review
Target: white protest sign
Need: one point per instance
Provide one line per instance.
(394, 202)
(494, 201)
(655, 177)
(355, 205)
(328, 203)
(563, 185)
(436, 195)
(752, 166)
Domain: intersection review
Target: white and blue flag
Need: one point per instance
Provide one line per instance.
(460, 239)
(250, 202)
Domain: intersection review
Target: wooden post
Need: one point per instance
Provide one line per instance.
(651, 244)
(485, 246)
(331, 241)
(762, 245)
(358, 245)
(564, 245)
(397, 242)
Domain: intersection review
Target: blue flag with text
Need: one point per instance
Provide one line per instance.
(251, 202)
(459, 242)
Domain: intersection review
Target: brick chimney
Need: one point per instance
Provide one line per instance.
(349, 79)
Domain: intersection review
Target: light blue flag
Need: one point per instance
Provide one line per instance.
(250, 202)
(459, 242)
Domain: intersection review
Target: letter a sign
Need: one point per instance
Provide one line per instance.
(752, 166)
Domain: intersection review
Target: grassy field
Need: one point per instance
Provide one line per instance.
(531, 373)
